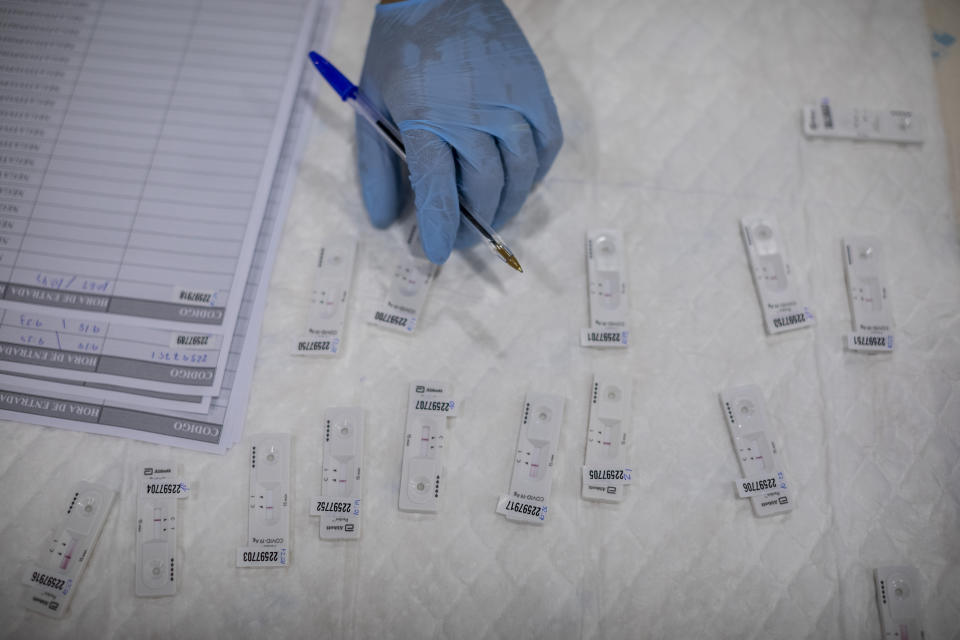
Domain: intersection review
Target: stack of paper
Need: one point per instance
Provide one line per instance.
(146, 158)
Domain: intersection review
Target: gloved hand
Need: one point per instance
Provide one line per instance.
(470, 99)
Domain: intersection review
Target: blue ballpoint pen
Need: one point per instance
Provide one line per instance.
(352, 95)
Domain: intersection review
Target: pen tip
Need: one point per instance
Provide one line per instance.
(506, 255)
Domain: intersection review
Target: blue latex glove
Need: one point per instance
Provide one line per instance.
(470, 99)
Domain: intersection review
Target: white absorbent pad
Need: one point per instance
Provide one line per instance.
(680, 118)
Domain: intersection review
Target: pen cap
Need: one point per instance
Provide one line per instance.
(344, 88)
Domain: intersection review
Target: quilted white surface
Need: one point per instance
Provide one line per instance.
(680, 116)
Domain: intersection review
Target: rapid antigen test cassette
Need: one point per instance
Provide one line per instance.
(605, 470)
(784, 307)
(410, 280)
(160, 486)
(607, 290)
(529, 497)
(328, 303)
(268, 540)
(856, 123)
(51, 583)
(430, 404)
(338, 506)
(898, 600)
(764, 480)
(867, 293)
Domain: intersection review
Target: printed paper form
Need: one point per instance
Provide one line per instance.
(81, 361)
(138, 143)
(222, 425)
